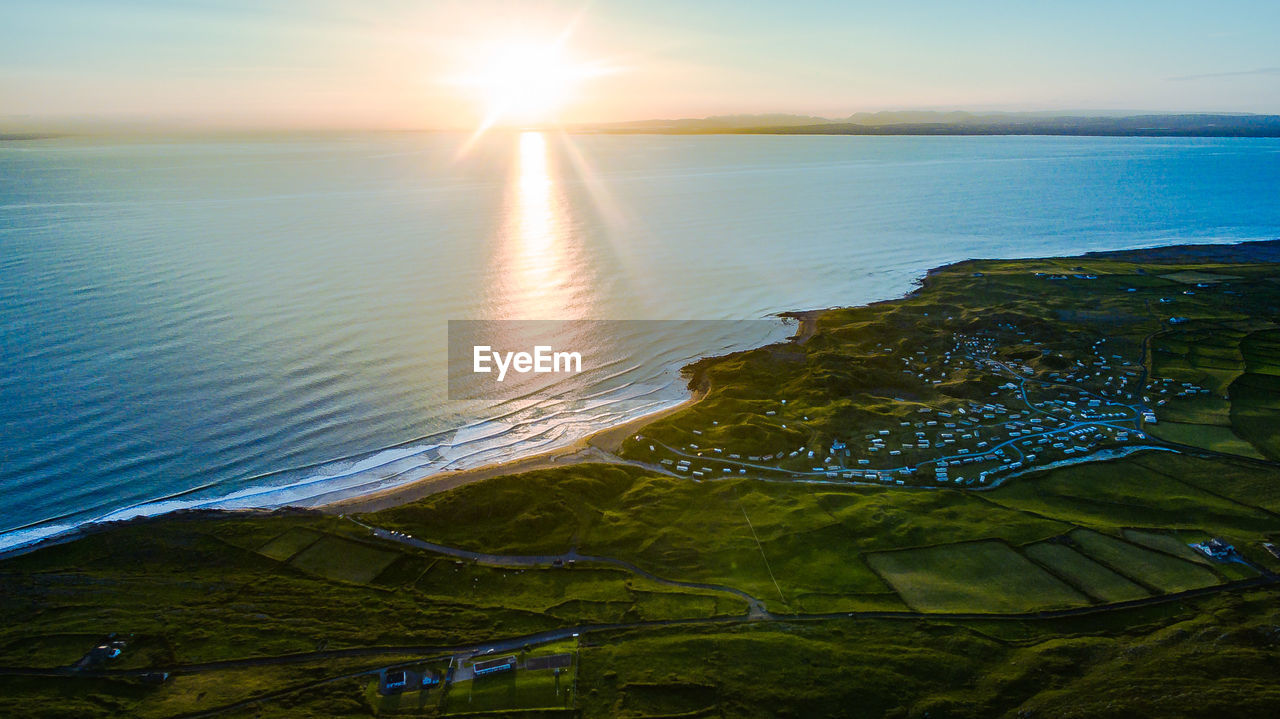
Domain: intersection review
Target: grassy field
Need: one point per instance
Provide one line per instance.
(1205, 661)
(1142, 490)
(1205, 436)
(1084, 574)
(972, 577)
(1198, 410)
(1255, 395)
(511, 692)
(343, 560)
(283, 547)
(181, 695)
(189, 590)
(810, 537)
(1153, 569)
(1169, 544)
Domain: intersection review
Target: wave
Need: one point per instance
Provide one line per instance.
(519, 432)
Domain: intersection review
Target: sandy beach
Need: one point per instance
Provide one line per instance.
(600, 446)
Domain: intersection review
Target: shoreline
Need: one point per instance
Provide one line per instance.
(599, 446)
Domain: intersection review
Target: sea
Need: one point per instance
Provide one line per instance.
(240, 321)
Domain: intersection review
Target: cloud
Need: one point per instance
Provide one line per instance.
(1264, 71)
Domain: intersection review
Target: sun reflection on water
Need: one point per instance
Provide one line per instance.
(534, 259)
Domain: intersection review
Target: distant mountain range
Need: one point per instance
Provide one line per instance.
(965, 123)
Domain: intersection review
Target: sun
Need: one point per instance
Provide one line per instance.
(523, 83)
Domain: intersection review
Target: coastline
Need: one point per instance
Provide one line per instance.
(599, 446)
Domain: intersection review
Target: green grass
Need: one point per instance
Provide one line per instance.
(1255, 395)
(1153, 569)
(521, 689)
(1083, 573)
(286, 545)
(182, 694)
(1251, 486)
(604, 594)
(1140, 490)
(343, 560)
(196, 590)
(972, 577)
(1168, 543)
(1205, 436)
(1198, 410)
(812, 538)
(897, 669)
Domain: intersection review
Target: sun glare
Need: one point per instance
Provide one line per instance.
(523, 83)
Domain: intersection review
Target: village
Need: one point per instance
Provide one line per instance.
(1093, 408)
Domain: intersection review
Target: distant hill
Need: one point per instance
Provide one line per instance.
(713, 124)
(966, 123)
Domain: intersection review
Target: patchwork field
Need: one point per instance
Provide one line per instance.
(283, 547)
(1169, 544)
(1083, 573)
(976, 576)
(343, 560)
(1154, 569)
(1149, 489)
(1206, 436)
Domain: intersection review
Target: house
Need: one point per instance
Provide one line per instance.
(396, 681)
(1215, 549)
(494, 666)
(392, 682)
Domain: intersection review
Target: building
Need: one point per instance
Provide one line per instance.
(1215, 549)
(494, 666)
(393, 682)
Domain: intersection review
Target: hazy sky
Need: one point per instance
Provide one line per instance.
(330, 63)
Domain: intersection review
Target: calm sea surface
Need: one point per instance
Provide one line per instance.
(251, 322)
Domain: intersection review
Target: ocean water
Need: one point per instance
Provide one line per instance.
(257, 321)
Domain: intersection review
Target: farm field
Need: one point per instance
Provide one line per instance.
(977, 576)
(1084, 574)
(1205, 436)
(1154, 569)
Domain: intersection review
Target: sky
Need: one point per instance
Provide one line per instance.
(442, 64)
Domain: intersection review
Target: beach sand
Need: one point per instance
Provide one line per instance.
(599, 446)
